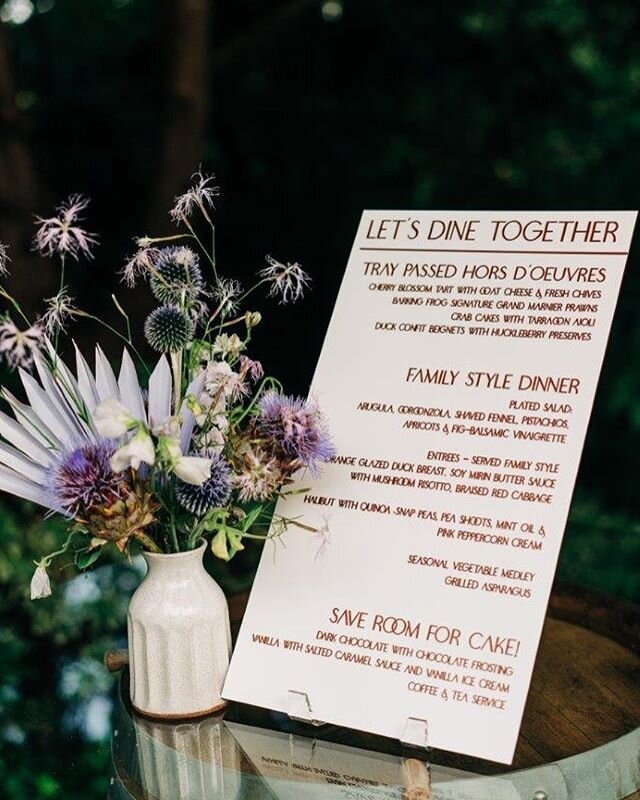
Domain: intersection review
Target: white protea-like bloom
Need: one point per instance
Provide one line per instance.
(59, 416)
(288, 281)
(200, 195)
(61, 234)
(20, 347)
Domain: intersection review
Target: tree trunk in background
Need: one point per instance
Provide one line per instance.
(186, 25)
(18, 184)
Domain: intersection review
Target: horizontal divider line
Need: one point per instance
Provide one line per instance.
(489, 252)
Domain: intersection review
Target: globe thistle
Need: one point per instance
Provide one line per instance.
(297, 430)
(168, 329)
(176, 275)
(213, 493)
(81, 478)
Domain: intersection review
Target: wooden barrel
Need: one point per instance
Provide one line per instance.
(580, 733)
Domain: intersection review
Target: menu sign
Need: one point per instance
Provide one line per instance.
(458, 375)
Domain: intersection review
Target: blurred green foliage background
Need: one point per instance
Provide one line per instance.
(308, 111)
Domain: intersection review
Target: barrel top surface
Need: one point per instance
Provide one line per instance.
(585, 690)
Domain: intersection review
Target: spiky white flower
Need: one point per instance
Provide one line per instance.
(112, 419)
(19, 347)
(199, 195)
(60, 309)
(61, 234)
(288, 281)
(40, 583)
(59, 414)
(138, 450)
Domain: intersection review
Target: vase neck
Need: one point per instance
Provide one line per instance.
(189, 562)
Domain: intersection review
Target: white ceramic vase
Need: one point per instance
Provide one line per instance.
(179, 638)
(188, 760)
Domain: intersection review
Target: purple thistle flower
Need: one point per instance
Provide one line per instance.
(213, 493)
(61, 234)
(81, 478)
(297, 429)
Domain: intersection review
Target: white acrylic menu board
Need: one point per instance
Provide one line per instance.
(458, 375)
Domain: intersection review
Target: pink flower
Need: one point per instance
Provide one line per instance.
(259, 478)
(60, 309)
(139, 265)
(61, 235)
(19, 347)
(200, 195)
(253, 369)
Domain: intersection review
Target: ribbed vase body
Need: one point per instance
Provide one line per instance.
(179, 638)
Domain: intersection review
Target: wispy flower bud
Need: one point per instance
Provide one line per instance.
(288, 281)
(201, 194)
(252, 319)
(61, 234)
(60, 309)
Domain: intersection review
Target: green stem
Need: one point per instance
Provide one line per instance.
(248, 409)
(202, 247)
(243, 297)
(57, 336)
(167, 238)
(86, 314)
(147, 542)
(16, 305)
(61, 551)
(174, 535)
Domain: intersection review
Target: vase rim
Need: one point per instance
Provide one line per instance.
(174, 556)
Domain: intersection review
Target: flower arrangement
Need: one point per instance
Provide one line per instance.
(201, 448)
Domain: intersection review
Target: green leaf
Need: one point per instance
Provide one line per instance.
(85, 558)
